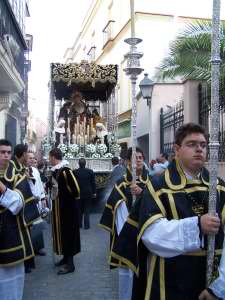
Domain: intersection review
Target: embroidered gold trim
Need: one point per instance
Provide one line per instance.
(76, 183)
(203, 253)
(105, 227)
(162, 278)
(148, 223)
(109, 206)
(173, 207)
(132, 222)
(182, 178)
(11, 249)
(156, 198)
(126, 261)
(150, 277)
(67, 185)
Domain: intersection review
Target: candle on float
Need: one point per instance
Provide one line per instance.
(91, 124)
(78, 139)
(93, 132)
(85, 122)
(88, 133)
(85, 139)
(81, 140)
(74, 139)
(75, 129)
(68, 136)
(61, 138)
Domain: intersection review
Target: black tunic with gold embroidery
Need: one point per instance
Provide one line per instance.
(31, 212)
(121, 192)
(15, 242)
(65, 223)
(172, 196)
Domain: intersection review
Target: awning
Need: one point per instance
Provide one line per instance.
(96, 82)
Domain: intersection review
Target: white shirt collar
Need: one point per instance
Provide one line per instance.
(60, 165)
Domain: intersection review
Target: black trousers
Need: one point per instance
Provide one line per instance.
(84, 212)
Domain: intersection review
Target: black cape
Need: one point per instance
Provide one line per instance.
(171, 196)
(15, 245)
(121, 192)
(65, 221)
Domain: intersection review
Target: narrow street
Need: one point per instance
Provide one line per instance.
(92, 278)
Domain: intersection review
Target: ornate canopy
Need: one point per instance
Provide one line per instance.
(96, 82)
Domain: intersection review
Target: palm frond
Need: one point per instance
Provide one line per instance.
(190, 53)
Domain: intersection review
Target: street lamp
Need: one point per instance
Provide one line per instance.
(146, 87)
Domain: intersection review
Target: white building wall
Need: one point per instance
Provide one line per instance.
(157, 23)
(163, 94)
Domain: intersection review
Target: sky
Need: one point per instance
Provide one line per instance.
(54, 26)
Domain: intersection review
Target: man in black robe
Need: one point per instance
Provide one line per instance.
(86, 181)
(173, 225)
(116, 213)
(17, 210)
(65, 213)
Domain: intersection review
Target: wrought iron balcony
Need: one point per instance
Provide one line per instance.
(91, 54)
(108, 32)
(11, 36)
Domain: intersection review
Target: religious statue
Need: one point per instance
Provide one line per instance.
(101, 135)
(69, 114)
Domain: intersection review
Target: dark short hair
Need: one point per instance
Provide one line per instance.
(20, 149)
(56, 153)
(4, 142)
(115, 160)
(82, 163)
(165, 155)
(186, 130)
(129, 152)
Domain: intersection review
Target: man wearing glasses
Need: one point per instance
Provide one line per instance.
(174, 224)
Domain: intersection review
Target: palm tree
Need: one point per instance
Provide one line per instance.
(190, 54)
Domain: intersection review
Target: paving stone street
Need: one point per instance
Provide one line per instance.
(92, 278)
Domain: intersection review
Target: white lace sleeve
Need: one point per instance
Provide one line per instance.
(171, 238)
(12, 201)
(121, 216)
(218, 286)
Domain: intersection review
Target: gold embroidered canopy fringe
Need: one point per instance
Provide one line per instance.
(96, 82)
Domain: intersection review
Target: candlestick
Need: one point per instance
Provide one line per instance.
(61, 138)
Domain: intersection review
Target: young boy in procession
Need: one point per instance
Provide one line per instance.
(15, 245)
(116, 213)
(65, 212)
(173, 225)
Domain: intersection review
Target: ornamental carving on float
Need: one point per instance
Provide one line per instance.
(84, 72)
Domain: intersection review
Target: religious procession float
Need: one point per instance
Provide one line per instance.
(83, 115)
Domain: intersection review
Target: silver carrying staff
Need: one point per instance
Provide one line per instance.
(49, 175)
(133, 69)
(214, 129)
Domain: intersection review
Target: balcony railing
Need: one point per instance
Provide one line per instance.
(91, 54)
(108, 32)
(10, 29)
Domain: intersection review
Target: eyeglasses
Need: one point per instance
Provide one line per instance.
(5, 152)
(196, 144)
(139, 157)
